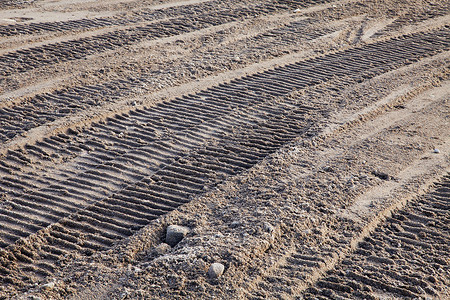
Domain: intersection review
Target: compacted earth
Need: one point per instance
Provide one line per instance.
(200, 149)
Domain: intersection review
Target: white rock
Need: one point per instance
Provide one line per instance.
(48, 286)
(216, 270)
(436, 151)
(175, 234)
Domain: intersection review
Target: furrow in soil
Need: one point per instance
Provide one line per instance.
(37, 57)
(405, 257)
(100, 185)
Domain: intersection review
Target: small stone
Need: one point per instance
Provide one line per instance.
(381, 175)
(328, 169)
(48, 286)
(161, 249)
(175, 234)
(219, 235)
(216, 270)
(436, 151)
(307, 231)
(421, 290)
(235, 224)
(268, 227)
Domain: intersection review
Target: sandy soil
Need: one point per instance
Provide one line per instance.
(304, 145)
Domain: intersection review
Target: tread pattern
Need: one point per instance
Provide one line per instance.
(36, 111)
(96, 23)
(35, 57)
(131, 18)
(120, 174)
(420, 14)
(406, 257)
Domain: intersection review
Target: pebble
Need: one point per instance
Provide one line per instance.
(161, 249)
(268, 227)
(436, 151)
(48, 286)
(219, 235)
(235, 224)
(216, 270)
(175, 234)
(328, 169)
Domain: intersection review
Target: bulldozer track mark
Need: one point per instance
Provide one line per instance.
(36, 111)
(390, 262)
(24, 60)
(9, 4)
(122, 173)
(95, 23)
(28, 59)
(131, 18)
(430, 11)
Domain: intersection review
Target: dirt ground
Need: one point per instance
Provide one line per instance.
(302, 145)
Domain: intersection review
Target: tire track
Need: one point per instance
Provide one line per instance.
(143, 15)
(158, 158)
(27, 59)
(425, 12)
(96, 23)
(406, 257)
(9, 4)
(35, 111)
(122, 214)
(59, 141)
